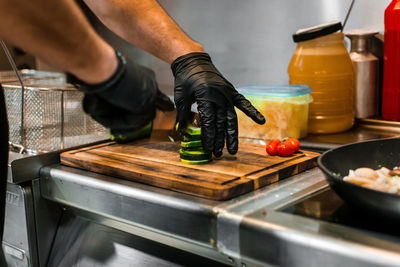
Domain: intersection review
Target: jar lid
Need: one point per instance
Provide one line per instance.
(287, 90)
(316, 31)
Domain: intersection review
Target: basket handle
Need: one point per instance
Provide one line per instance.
(14, 67)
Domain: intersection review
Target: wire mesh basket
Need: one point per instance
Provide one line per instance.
(50, 117)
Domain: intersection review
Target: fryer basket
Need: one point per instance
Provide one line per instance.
(50, 117)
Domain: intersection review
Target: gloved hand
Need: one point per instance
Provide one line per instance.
(197, 79)
(127, 101)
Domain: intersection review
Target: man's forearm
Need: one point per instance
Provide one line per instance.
(58, 33)
(146, 25)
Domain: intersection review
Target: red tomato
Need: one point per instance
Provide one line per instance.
(272, 147)
(286, 149)
(295, 143)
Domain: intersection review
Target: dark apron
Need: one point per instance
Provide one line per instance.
(3, 168)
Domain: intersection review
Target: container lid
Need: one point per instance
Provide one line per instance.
(287, 90)
(361, 33)
(316, 31)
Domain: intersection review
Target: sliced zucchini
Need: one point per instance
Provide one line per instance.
(126, 136)
(194, 155)
(188, 138)
(197, 148)
(192, 150)
(196, 162)
(200, 151)
(191, 130)
(196, 143)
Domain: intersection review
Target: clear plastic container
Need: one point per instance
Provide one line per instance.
(285, 108)
(324, 64)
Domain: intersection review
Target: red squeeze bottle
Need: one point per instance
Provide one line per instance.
(391, 69)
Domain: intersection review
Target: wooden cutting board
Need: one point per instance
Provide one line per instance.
(157, 163)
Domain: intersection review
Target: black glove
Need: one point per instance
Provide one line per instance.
(125, 102)
(197, 79)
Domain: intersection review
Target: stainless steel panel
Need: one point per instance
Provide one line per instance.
(365, 129)
(47, 219)
(83, 243)
(160, 215)
(19, 239)
(131, 203)
(11, 157)
(266, 235)
(248, 230)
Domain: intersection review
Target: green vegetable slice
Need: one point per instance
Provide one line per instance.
(196, 148)
(196, 143)
(188, 138)
(193, 130)
(200, 151)
(130, 136)
(192, 151)
(194, 155)
(195, 162)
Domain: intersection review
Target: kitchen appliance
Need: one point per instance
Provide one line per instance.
(322, 62)
(327, 206)
(56, 213)
(366, 68)
(391, 70)
(50, 118)
(255, 229)
(337, 162)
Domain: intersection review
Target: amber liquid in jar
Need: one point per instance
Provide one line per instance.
(325, 65)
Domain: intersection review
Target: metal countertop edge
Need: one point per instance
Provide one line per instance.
(109, 185)
(134, 205)
(232, 218)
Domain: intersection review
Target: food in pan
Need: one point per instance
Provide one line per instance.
(382, 179)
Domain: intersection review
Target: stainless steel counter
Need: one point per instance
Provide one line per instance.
(248, 230)
(365, 129)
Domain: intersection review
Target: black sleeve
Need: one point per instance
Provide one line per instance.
(3, 167)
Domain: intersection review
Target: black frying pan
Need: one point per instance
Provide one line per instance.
(335, 164)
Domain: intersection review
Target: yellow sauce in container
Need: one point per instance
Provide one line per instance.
(324, 64)
(285, 108)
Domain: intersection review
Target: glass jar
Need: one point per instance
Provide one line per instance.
(324, 64)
